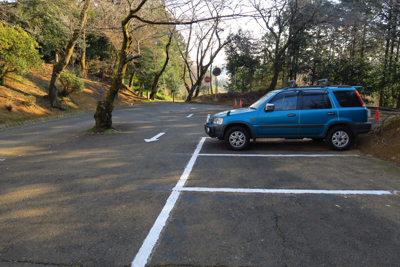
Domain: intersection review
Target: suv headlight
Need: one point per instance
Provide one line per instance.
(218, 121)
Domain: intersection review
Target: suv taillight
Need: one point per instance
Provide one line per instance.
(359, 97)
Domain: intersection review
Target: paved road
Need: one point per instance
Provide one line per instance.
(71, 199)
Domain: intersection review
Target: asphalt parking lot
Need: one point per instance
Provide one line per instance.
(185, 200)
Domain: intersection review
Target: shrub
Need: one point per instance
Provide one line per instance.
(163, 97)
(18, 52)
(71, 83)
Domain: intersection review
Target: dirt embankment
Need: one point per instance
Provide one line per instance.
(24, 98)
(383, 141)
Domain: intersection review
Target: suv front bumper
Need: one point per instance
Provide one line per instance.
(214, 130)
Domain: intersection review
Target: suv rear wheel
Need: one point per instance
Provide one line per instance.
(237, 138)
(339, 138)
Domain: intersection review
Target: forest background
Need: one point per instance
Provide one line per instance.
(353, 42)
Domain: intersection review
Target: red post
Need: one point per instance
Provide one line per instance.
(216, 87)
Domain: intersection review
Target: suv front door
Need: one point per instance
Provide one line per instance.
(284, 119)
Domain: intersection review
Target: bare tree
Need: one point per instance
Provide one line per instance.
(207, 44)
(103, 115)
(159, 73)
(204, 42)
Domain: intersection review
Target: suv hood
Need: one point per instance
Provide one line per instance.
(234, 112)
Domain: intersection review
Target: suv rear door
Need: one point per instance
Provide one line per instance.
(351, 109)
(316, 112)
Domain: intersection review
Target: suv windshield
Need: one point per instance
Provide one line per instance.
(262, 100)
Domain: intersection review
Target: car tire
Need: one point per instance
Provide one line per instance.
(237, 138)
(339, 138)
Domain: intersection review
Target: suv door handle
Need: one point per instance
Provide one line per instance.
(331, 113)
(291, 115)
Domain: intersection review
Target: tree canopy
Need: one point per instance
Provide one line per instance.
(353, 42)
(18, 51)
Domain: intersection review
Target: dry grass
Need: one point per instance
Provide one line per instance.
(24, 98)
(383, 141)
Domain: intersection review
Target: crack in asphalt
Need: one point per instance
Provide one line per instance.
(280, 232)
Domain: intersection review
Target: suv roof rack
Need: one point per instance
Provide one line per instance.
(323, 82)
(320, 84)
(291, 84)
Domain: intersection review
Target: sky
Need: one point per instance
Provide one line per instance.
(232, 26)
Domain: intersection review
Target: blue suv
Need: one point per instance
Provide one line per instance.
(334, 113)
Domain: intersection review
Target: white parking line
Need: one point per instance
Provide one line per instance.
(286, 191)
(148, 244)
(189, 116)
(145, 251)
(279, 155)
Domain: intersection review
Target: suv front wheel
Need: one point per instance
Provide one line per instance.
(339, 138)
(237, 138)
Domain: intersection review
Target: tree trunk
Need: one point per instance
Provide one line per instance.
(384, 74)
(185, 82)
(103, 115)
(396, 74)
(83, 57)
(141, 89)
(130, 85)
(211, 86)
(277, 70)
(363, 41)
(193, 90)
(353, 42)
(53, 91)
(278, 63)
(158, 75)
(60, 66)
(385, 65)
(197, 91)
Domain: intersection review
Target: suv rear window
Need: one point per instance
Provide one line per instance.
(316, 99)
(347, 99)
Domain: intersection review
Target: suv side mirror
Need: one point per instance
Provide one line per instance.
(269, 107)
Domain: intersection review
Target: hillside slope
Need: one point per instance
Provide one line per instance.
(24, 97)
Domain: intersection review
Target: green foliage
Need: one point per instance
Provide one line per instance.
(163, 97)
(152, 60)
(18, 52)
(44, 20)
(242, 60)
(98, 47)
(71, 83)
(355, 42)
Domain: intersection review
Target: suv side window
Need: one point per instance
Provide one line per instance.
(316, 100)
(347, 99)
(285, 101)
